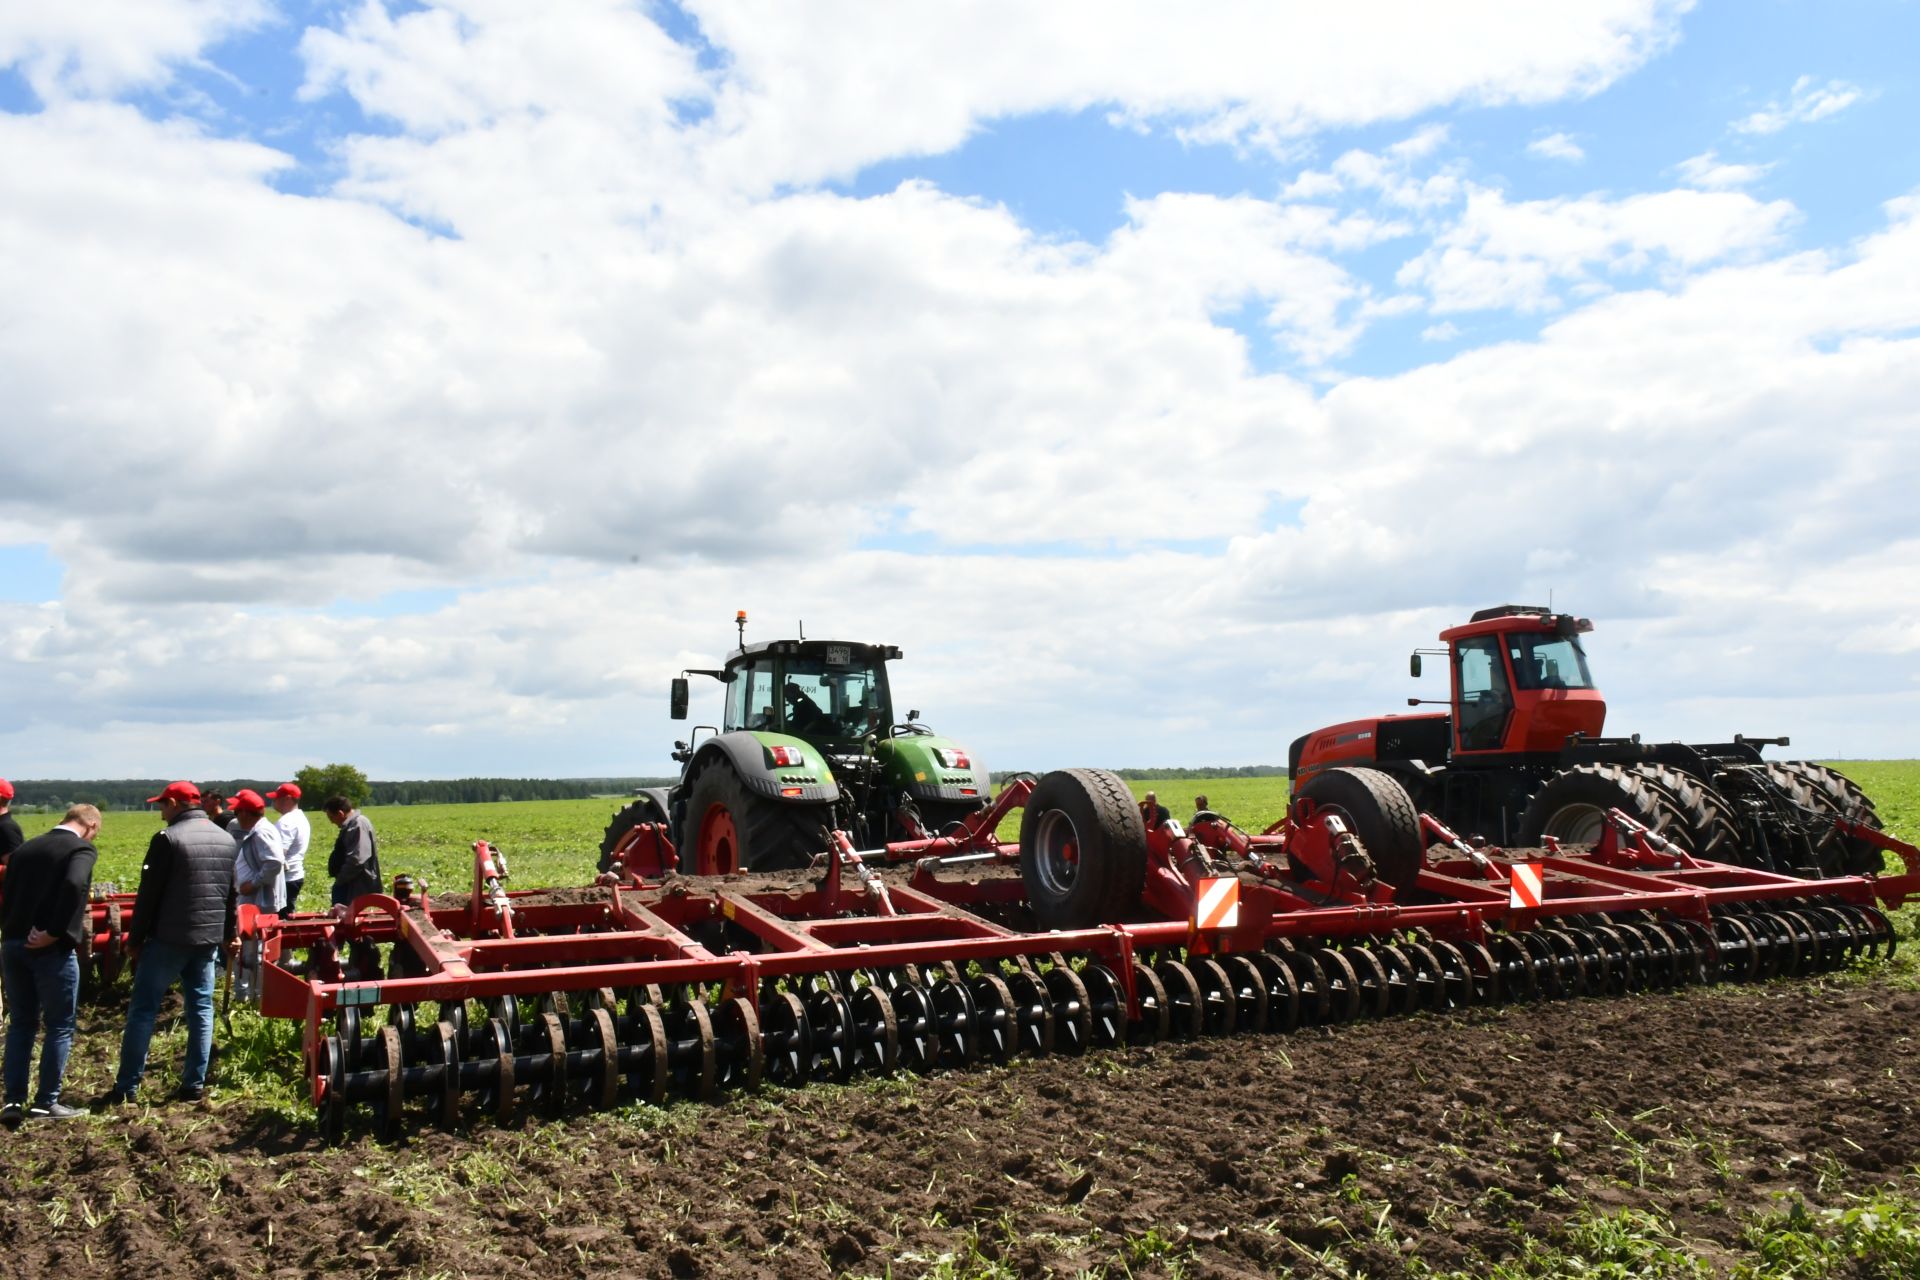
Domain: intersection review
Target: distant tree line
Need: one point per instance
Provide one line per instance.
(132, 793)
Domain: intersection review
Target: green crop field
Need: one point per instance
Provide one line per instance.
(556, 842)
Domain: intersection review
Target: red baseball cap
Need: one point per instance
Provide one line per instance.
(246, 798)
(291, 790)
(178, 793)
(6, 789)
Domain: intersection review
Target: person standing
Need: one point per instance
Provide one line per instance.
(43, 909)
(11, 837)
(181, 919)
(355, 864)
(258, 876)
(296, 833)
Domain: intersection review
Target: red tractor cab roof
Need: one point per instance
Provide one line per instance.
(1505, 619)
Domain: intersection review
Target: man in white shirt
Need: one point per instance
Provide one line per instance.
(296, 833)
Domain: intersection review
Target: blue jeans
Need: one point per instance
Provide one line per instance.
(161, 965)
(42, 986)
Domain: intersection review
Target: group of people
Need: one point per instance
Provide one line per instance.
(211, 854)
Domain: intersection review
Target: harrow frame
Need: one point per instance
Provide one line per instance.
(912, 955)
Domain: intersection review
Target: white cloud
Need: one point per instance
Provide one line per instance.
(1708, 170)
(1806, 103)
(1523, 254)
(1445, 331)
(105, 46)
(1557, 146)
(651, 376)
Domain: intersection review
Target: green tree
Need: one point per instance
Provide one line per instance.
(317, 784)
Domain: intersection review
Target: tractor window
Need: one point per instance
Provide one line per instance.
(1543, 661)
(833, 702)
(1485, 702)
(750, 698)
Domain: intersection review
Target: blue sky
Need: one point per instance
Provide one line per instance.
(514, 347)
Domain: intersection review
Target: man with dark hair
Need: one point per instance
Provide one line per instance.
(215, 805)
(355, 864)
(182, 918)
(11, 837)
(43, 910)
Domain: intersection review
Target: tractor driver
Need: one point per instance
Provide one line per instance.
(803, 713)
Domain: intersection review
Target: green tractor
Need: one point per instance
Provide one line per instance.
(808, 744)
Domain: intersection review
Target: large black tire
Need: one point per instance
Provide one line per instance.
(645, 809)
(766, 835)
(1381, 814)
(1573, 805)
(1083, 850)
(1841, 796)
(1711, 829)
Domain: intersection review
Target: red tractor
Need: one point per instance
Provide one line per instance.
(1519, 755)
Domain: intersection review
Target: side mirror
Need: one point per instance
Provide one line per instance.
(913, 715)
(1414, 666)
(678, 698)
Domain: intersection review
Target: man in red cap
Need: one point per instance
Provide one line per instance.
(296, 833)
(10, 837)
(181, 919)
(258, 871)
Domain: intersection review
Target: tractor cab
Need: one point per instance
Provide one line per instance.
(1520, 681)
(830, 693)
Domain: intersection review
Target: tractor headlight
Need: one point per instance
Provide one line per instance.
(787, 757)
(952, 758)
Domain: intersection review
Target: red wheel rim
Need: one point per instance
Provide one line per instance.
(718, 853)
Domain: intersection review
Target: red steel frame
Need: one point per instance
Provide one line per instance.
(1301, 881)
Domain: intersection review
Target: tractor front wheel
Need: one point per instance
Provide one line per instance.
(1836, 793)
(645, 809)
(730, 829)
(1083, 850)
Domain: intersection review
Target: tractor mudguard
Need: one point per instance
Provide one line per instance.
(750, 752)
(909, 764)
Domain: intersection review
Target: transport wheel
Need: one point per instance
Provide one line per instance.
(1839, 795)
(731, 829)
(1573, 805)
(1083, 850)
(1380, 813)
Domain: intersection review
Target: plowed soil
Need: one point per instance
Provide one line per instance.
(1376, 1148)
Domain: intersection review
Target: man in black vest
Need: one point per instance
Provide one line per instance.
(181, 919)
(43, 908)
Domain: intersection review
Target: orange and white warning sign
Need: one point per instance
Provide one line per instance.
(1219, 905)
(1526, 885)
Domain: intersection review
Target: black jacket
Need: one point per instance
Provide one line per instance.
(355, 864)
(10, 837)
(46, 887)
(186, 885)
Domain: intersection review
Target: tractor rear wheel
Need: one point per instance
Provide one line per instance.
(1381, 815)
(1573, 805)
(1710, 828)
(729, 828)
(1841, 796)
(645, 809)
(1083, 850)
